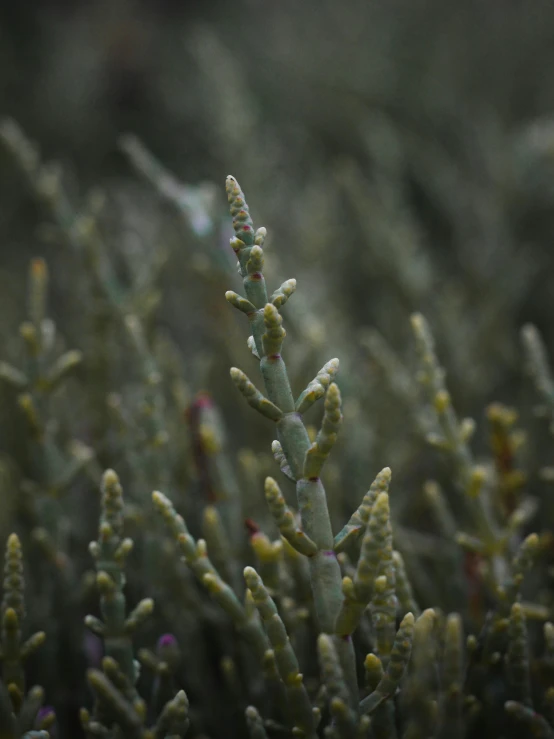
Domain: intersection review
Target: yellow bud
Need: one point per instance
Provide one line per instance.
(478, 477)
(442, 401)
(372, 662)
(265, 549)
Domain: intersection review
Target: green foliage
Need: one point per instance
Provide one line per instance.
(373, 623)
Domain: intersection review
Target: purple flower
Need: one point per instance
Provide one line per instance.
(45, 718)
(167, 640)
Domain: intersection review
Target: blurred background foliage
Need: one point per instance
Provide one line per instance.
(436, 114)
(400, 153)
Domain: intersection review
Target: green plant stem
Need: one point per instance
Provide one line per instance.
(325, 575)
